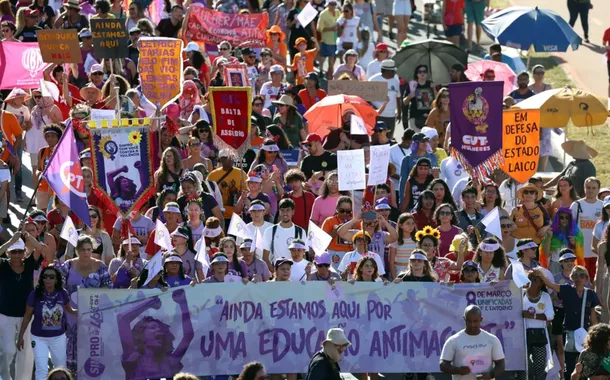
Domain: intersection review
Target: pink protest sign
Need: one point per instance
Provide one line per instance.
(26, 65)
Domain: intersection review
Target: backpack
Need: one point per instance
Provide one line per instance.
(298, 234)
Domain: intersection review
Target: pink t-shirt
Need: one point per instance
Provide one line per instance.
(446, 239)
(323, 208)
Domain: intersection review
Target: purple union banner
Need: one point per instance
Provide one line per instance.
(214, 329)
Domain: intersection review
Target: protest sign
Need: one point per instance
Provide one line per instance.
(238, 228)
(357, 126)
(476, 123)
(21, 65)
(212, 27)
(380, 160)
(231, 110)
(59, 45)
(160, 68)
(110, 38)
(520, 143)
(307, 15)
(122, 158)
(369, 91)
(317, 238)
(216, 331)
(69, 232)
(291, 157)
(350, 168)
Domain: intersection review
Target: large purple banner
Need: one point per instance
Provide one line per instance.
(476, 125)
(214, 329)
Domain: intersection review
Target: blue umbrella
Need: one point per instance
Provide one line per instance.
(522, 27)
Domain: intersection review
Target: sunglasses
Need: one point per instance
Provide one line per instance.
(422, 71)
(48, 277)
(345, 211)
(265, 55)
(323, 265)
(257, 104)
(252, 56)
(445, 213)
(224, 49)
(202, 131)
(505, 225)
(97, 73)
(530, 192)
(37, 96)
(444, 96)
(564, 217)
(93, 216)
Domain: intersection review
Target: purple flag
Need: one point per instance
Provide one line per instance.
(476, 125)
(64, 175)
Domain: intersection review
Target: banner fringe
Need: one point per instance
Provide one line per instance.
(485, 169)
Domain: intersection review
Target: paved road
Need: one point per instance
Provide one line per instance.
(587, 65)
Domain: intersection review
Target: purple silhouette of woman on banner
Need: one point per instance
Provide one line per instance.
(123, 188)
(148, 347)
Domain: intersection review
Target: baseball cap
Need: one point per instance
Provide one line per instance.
(281, 261)
(247, 51)
(381, 47)
(224, 153)
(606, 201)
(323, 258)
(96, 68)
(420, 137)
(191, 46)
(19, 245)
(567, 256)
(312, 137)
(276, 69)
(380, 126)
(429, 132)
(300, 40)
(469, 264)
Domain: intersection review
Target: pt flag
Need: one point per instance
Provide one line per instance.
(65, 176)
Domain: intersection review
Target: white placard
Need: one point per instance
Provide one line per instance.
(350, 167)
(307, 15)
(162, 238)
(237, 227)
(154, 266)
(357, 126)
(380, 160)
(97, 114)
(68, 231)
(319, 240)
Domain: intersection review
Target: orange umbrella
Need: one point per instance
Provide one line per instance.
(327, 113)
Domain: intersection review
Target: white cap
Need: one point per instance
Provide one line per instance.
(19, 245)
(276, 69)
(254, 178)
(429, 132)
(191, 46)
(96, 67)
(134, 241)
(178, 233)
(171, 259)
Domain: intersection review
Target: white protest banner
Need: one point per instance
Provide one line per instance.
(162, 238)
(318, 238)
(357, 126)
(350, 168)
(213, 330)
(307, 15)
(491, 221)
(380, 160)
(154, 266)
(68, 231)
(237, 227)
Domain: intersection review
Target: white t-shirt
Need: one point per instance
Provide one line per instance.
(350, 29)
(367, 57)
(270, 93)
(397, 153)
(373, 69)
(297, 271)
(588, 216)
(543, 306)
(283, 238)
(393, 93)
(352, 258)
(252, 232)
(475, 351)
(452, 171)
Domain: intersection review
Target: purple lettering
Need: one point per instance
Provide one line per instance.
(354, 337)
(283, 342)
(247, 310)
(378, 310)
(235, 346)
(417, 343)
(345, 310)
(375, 345)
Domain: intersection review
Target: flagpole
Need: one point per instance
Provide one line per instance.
(27, 209)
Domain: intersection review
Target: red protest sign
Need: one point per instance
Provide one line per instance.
(160, 69)
(212, 27)
(231, 110)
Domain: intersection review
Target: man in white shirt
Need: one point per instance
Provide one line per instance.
(397, 153)
(472, 354)
(277, 239)
(301, 268)
(393, 108)
(258, 223)
(586, 213)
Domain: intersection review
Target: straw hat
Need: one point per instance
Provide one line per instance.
(579, 150)
(88, 88)
(72, 4)
(530, 186)
(285, 100)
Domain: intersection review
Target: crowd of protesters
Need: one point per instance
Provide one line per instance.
(422, 225)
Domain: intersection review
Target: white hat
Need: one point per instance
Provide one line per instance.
(178, 233)
(388, 64)
(254, 178)
(172, 207)
(219, 259)
(276, 69)
(96, 67)
(429, 132)
(19, 245)
(256, 207)
(191, 46)
(134, 241)
(246, 244)
(297, 244)
(336, 336)
(174, 259)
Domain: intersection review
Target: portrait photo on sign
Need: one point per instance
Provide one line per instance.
(236, 75)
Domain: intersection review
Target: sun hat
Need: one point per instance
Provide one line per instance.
(297, 244)
(285, 100)
(281, 261)
(336, 336)
(276, 29)
(16, 93)
(72, 4)
(579, 150)
(172, 259)
(388, 64)
(418, 256)
(567, 256)
(219, 258)
(191, 46)
(172, 207)
(529, 186)
(133, 241)
(19, 245)
(91, 88)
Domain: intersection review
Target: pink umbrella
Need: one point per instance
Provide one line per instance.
(491, 70)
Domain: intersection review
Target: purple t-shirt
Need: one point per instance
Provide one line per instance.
(210, 279)
(175, 281)
(189, 264)
(259, 269)
(49, 319)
